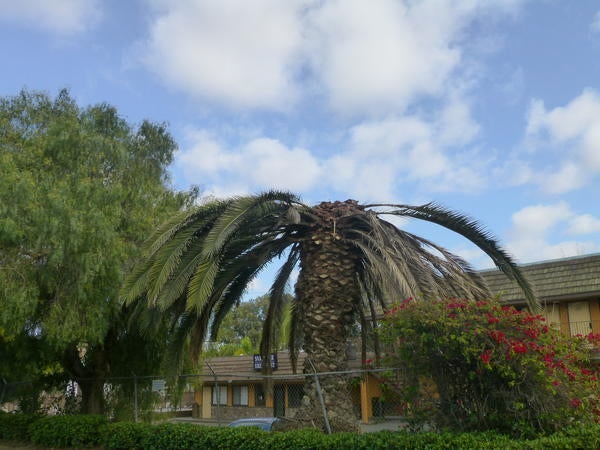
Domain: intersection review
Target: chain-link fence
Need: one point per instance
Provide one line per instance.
(328, 400)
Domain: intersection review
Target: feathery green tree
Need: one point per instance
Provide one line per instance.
(80, 189)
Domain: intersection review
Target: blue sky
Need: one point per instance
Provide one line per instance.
(490, 107)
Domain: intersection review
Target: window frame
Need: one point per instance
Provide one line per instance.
(222, 392)
(239, 389)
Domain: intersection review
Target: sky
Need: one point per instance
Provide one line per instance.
(489, 107)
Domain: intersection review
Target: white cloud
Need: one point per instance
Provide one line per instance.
(568, 177)
(365, 57)
(574, 131)
(513, 172)
(377, 55)
(380, 157)
(539, 219)
(237, 52)
(584, 224)
(259, 164)
(362, 179)
(280, 167)
(568, 122)
(536, 230)
(410, 149)
(457, 125)
(63, 17)
(595, 26)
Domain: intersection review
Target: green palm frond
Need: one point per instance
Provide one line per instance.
(175, 287)
(201, 284)
(136, 283)
(238, 212)
(229, 291)
(473, 231)
(197, 217)
(164, 249)
(227, 224)
(168, 258)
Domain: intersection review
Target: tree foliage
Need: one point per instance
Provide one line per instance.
(240, 331)
(492, 367)
(80, 189)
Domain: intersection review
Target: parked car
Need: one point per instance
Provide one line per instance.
(264, 423)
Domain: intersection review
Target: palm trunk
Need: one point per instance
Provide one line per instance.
(327, 294)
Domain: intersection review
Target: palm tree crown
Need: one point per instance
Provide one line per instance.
(352, 263)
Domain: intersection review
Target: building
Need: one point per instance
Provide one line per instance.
(233, 387)
(568, 289)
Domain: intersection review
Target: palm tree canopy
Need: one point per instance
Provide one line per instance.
(200, 263)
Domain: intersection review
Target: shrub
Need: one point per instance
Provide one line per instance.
(81, 431)
(172, 436)
(307, 439)
(124, 435)
(67, 431)
(574, 437)
(492, 367)
(15, 426)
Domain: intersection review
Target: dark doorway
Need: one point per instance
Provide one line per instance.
(279, 401)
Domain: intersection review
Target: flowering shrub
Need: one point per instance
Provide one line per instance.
(494, 367)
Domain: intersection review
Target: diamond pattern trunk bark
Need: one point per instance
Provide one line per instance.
(328, 295)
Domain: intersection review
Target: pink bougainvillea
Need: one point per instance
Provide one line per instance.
(493, 365)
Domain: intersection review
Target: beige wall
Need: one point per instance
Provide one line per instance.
(595, 315)
(369, 389)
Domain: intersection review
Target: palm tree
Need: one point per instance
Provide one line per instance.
(352, 263)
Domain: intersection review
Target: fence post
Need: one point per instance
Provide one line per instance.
(320, 394)
(135, 399)
(217, 388)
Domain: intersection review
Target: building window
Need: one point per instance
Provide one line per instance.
(240, 395)
(219, 395)
(259, 395)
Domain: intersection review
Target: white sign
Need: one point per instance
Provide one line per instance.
(158, 385)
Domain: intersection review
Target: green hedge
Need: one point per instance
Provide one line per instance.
(122, 436)
(125, 435)
(87, 431)
(15, 427)
(67, 431)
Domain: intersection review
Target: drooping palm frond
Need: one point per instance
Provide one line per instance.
(164, 252)
(473, 231)
(242, 270)
(401, 264)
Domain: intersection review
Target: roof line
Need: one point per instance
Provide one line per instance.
(547, 261)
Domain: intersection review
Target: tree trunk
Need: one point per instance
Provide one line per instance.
(92, 396)
(328, 295)
(89, 376)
